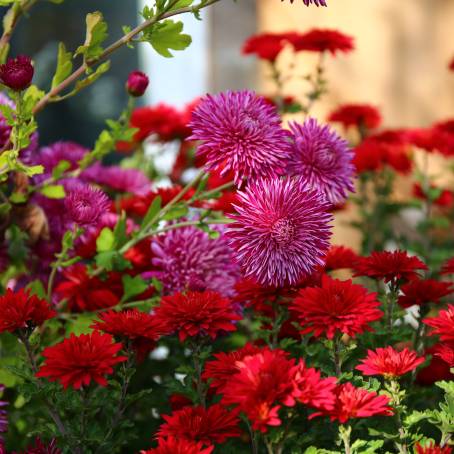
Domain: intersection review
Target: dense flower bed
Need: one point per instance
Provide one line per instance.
(207, 310)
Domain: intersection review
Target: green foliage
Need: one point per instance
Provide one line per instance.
(64, 65)
(165, 36)
(96, 34)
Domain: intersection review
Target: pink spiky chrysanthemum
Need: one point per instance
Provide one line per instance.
(281, 232)
(323, 158)
(240, 132)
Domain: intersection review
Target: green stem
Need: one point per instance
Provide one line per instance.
(337, 355)
(198, 368)
(344, 434)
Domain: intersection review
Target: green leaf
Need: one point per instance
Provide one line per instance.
(8, 113)
(167, 35)
(64, 65)
(81, 325)
(36, 287)
(132, 286)
(153, 210)
(100, 70)
(120, 230)
(105, 241)
(177, 211)
(53, 191)
(95, 35)
(60, 169)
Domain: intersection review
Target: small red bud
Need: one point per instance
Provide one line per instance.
(137, 83)
(17, 73)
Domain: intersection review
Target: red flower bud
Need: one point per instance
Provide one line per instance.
(17, 73)
(137, 83)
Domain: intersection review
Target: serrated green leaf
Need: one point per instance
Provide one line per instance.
(132, 286)
(153, 210)
(64, 65)
(177, 211)
(53, 191)
(96, 34)
(105, 241)
(167, 35)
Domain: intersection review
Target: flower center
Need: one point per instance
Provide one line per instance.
(283, 231)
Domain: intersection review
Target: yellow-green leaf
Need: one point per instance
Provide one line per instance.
(64, 65)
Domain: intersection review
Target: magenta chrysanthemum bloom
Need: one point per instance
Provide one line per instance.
(59, 151)
(323, 158)
(242, 133)
(187, 259)
(281, 232)
(86, 204)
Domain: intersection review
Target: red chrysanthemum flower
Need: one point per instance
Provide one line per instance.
(85, 293)
(445, 199)
(359, 115)
(448, 267)
(173, 445)
(352, 403)
(221, 369)
(214, 424)
(443, 324)
(432, 448)
(436, 370)
(389, 362)
(78, 360)
(451, 65)
(140, 328)
(196, 314)
(423, 291)
(318, 40)
(41, 448)
(446, 353)
(267, 46)
(336, 307)
(389, 266)
(20, 310)
(339, 257)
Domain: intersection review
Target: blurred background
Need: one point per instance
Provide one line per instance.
(399, 65)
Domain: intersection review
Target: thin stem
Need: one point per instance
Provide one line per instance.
(337, 355)
(252, 434)
(198, 367)
(126, 39)
(345, 432)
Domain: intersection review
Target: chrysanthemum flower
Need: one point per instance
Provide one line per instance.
(340, 257)
(85, 293)
(336, 307)
(51, 155)
(20, 310)
(17, 73)
(323, 159)
(448, 267)
(445, 199)
(359, 115)
(389, 363)
(221, 369)
(432, 448)
(281, 232)
(39, 447)
(78, 360)
(352, 403)
(310, 2)
(188, 259)
(423, 291)
(267, 46)
(443, 324)
(214, 424)
(324, 40)
(240, 132)
(196, 314)
(140, 328)
(446, 353)
(173, 445)
(86, 204)
(390, 266)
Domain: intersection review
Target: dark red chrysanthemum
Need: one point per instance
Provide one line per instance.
(173, 445)
(210, 425)
(78, 360)
(267, 46)
(444, 199)
(336, 307)
(352, 403)
(448, 267)
(20, 310)
(436, 370)
(324, 40)
(389, 363)
(221, 369)
(390, 266)
(196, 314)
(443, 324)
(432, 448)
(85, 293)
(140, 328)
(446, 353)
(423, 291)
(339, 257)
(17, 73)
(40, 447)
(359, 115)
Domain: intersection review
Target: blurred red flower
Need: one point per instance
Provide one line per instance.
(323, 40)
(359, 115)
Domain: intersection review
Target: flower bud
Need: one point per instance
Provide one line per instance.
(137, 83)
(17, 73)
